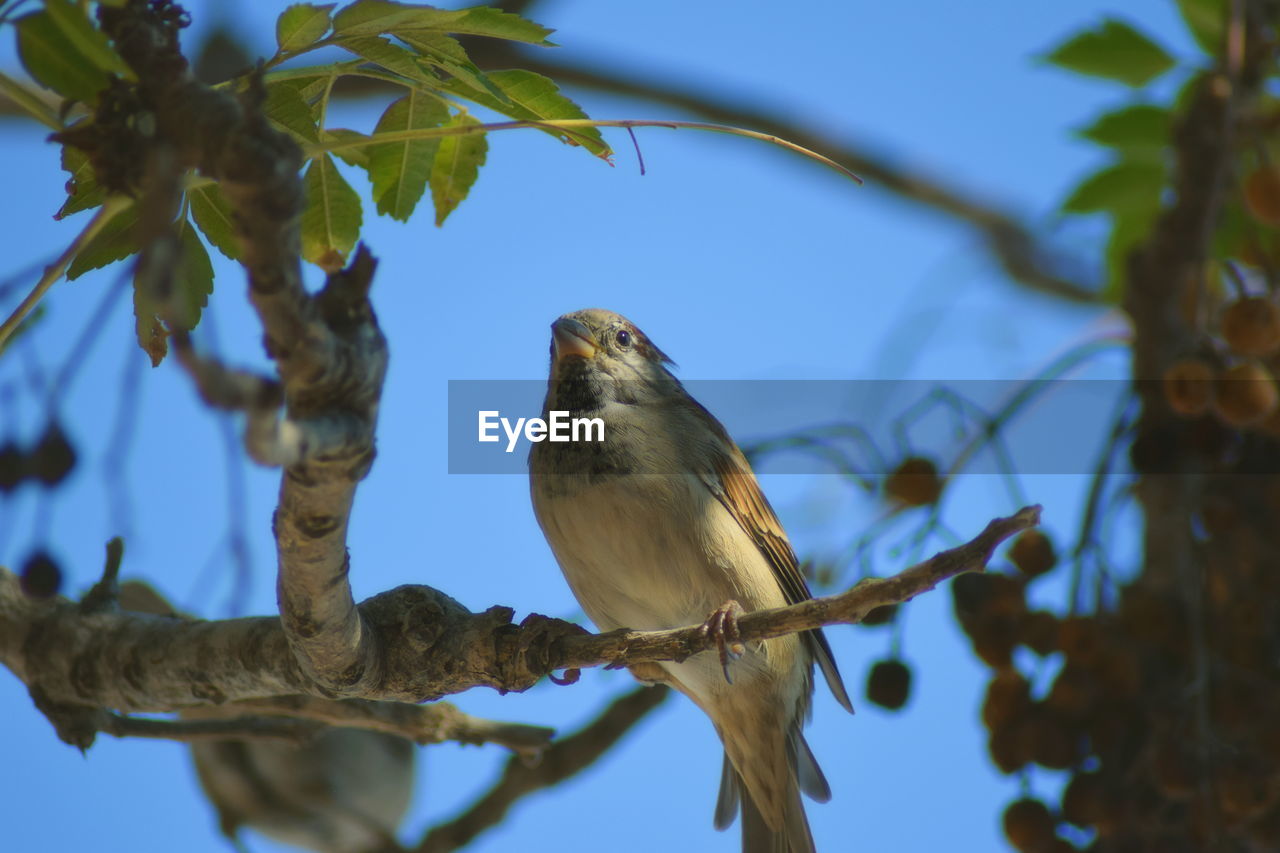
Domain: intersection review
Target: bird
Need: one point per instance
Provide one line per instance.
(661, 523)
(345, 791)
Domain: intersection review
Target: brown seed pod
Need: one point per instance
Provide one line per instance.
(1008, 699)
(1082, 639)
(1038, 631)
(1188, 386)
(1033, 553)
(994, 637)
(882, 615)
(53, 457)
(915, 482)
(1084, 800)
(40, 576)
(1010, 751)
(1028, 825)
(1244, 394)
(1055, 742)
(889, 684)
(1262, 194)
(13, 466)
(1251, 326)
(977, 594)
(1073, 694)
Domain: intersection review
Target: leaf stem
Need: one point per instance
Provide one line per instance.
(570, 124)
(110, 208)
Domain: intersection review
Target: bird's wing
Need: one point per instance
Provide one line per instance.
(735, 486)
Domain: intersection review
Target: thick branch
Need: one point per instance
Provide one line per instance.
(327, 348)
(431, 645)
(566, 758)
(1161, 271)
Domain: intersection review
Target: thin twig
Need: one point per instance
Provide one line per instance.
(570, 124)
(565, 758)
(112, 206)
(423, 724)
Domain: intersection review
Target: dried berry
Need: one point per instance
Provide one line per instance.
(1084, 800)
(1038, 631)
(889, 684)
(13, 467)
(880, 615)
(1028, 825)
(53, 457)
(1033, 553)
(1244, 394)
(1262, 194)
(1008, 699)
(1251, 326)
(915, 482)
(1188, 386)
(40, 576)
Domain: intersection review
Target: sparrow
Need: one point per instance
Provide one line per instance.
(345, 791)
(662, 524)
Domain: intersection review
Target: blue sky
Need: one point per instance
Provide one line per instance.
(741, 261)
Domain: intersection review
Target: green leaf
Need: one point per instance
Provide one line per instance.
(390, 56)
(286, 108)
(116, 240)
(210, 210)
(29, 102)
(53, 59)
(357, 155)
(1137, 129)
(302, 25)
(457, 162)
(83, 190)
(89, 41)
(481, 21)
(371, 17)
(182, 306)
(1125, 187)
(331, 219)
(192, 280)
(1206, 20)
(532, 97)
(448, 55)
(399, 170)
(1115, 51)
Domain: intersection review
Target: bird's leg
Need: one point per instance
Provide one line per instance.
(722, 626)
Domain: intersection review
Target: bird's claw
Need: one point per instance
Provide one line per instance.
(722, 626)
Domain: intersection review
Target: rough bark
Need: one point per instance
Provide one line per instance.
(76, 659)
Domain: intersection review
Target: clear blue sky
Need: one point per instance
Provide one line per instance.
(742, 262)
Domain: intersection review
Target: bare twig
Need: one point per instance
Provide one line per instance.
(110, 208)
(1019, 252)
(565, 758)
(423, 724)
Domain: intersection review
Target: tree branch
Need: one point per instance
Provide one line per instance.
(432, 646)
(568, 757)
(1019, 252)
(423, 724)
(328, 349)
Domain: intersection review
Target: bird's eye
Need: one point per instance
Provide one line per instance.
(624, 338)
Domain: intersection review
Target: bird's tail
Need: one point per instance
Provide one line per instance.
(773, 818)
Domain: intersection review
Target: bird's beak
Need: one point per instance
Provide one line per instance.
(570, 337)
